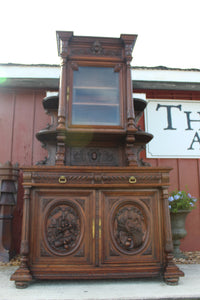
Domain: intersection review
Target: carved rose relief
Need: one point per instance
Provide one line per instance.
(63, 228)
(129, 227)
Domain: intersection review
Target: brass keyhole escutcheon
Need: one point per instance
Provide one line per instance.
(62, 179)
(132, 179)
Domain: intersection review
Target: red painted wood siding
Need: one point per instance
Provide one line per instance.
(21, 117)
(185, 173)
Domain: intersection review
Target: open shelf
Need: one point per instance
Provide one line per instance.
(96, 104)
(96, 87)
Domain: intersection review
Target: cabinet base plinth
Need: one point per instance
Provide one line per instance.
(172, 274)
(22, 278)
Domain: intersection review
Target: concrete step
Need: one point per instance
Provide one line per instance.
(128, 289)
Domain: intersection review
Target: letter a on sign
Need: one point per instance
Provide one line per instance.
(196, 139)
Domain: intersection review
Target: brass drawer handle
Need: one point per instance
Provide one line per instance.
(62, 179)
(132, 179)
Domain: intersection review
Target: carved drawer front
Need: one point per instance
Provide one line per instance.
(130, 230)
(98, 177)
(62, 225)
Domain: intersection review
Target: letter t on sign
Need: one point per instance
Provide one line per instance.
(169, 114)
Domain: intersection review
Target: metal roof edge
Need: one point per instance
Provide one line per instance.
(47, 76)
(164, 85)
(28, 65)
(164, 68)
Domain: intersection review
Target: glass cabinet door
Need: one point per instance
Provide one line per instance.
(95, 96)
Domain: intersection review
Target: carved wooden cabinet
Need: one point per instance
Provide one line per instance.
(93, 208)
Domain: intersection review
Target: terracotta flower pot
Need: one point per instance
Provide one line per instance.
(178, 230)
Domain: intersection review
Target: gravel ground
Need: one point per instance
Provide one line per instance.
(191, 258)
(13, 262)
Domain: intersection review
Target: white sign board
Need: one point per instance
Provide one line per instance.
(175, 125)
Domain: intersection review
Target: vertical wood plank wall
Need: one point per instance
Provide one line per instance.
(22, 116)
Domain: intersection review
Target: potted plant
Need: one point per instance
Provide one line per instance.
(180, 204)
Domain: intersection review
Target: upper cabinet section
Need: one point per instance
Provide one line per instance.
(95, 91)
(96, 114)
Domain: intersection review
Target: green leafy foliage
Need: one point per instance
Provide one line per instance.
(181, 200)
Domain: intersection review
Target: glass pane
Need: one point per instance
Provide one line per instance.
(95, 96)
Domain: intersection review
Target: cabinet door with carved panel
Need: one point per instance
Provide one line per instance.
(131, 233)
(62, 236)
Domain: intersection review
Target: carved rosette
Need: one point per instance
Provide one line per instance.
(63, 227)
(130, 227)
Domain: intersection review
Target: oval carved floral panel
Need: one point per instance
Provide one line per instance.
(62, 228)
(129, 227)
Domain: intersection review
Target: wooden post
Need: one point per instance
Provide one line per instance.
(60, 150)
(61, 128)
(22, 276)
(8, 193)
(131, 153)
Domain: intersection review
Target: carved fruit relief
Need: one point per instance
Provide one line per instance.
(129, 227)
(63, 231)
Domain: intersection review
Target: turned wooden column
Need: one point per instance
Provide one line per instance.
(131, 152)
(60, 151)
(22, 276)
(129, 88)
(63, 94)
